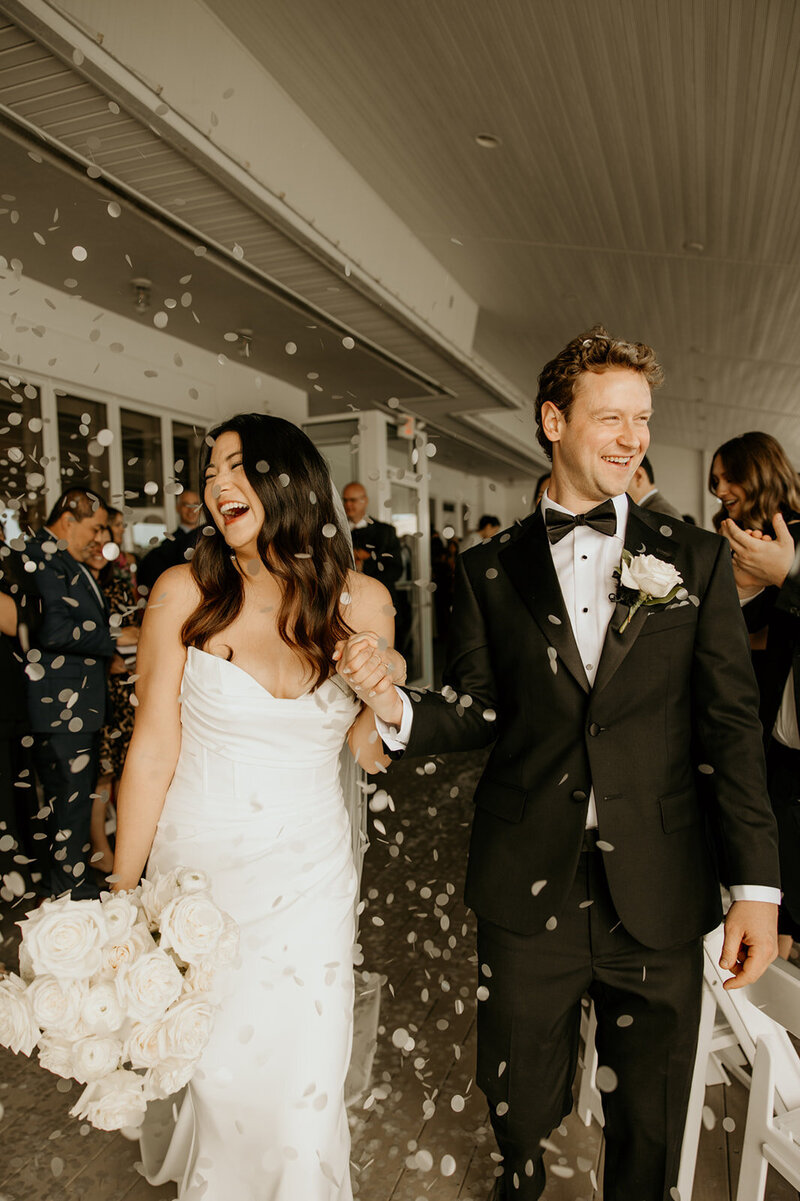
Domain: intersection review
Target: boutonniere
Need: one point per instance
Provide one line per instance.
(646, 580)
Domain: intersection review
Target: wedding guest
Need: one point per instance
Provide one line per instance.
(590, 865)
(375, 543)
(177, 547)
(760, 516)
(488, 526)
(20, 615)
(125, 561)
(642, 489)
(66, 686)
(125, 611)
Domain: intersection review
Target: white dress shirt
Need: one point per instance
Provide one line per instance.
(585, 560)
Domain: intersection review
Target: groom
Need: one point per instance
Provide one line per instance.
(597, 849)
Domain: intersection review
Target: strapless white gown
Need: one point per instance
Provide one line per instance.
(256, 802)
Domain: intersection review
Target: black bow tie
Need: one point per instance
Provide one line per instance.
(603, 519)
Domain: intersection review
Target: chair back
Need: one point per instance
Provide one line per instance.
(758, 1011)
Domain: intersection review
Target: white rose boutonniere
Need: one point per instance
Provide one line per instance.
(646, 580)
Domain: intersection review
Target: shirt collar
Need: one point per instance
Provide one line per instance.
(620, 508)
(647, 495)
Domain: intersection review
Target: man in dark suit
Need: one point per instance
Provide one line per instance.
(375, 543)
(177, 547)
(591, 866)
(642, 489)
(67, 683)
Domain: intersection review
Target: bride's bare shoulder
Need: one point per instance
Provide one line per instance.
(175, 593)
(366, 600)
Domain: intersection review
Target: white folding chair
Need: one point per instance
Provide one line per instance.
(772, 1130)
(590, 1103)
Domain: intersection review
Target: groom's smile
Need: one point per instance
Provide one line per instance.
(600, 443)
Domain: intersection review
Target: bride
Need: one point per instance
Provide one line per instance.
(234, 768)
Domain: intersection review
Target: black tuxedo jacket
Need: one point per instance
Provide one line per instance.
(74, 640)
(169, 553)
(674, 693)
(385, 562)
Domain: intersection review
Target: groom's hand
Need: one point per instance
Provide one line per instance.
(751, 941)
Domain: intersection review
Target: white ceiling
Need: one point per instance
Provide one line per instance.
(648, 177)
(629, 129)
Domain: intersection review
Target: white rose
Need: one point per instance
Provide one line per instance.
(95, 1058)
(191, 879)
(18, 1029)
(186, 1028)
(56, 1005)
(64, 938)
(119, 955)
(646, 573)
(149, 985)
(192, 926)
(120, 912)
(157, 891)
(55, 1055)
(164, 1079)
(142, 1048)
(199, 977)
(101, 1012)
(113, 1103)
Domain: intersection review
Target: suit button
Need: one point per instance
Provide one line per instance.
(594, 729)
(578, 795)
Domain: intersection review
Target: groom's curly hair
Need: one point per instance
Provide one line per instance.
(594, 351)
(302, 543)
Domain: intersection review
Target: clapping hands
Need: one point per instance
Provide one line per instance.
(758, 559)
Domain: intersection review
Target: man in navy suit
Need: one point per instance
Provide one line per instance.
(67, 683)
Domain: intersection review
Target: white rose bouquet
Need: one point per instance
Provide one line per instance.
(647, 580)
(116, 993)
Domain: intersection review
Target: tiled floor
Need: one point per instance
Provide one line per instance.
(422, 1130)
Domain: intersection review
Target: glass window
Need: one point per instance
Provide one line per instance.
(22, 499)
(186, 443)
(143, 477)
(84, 460)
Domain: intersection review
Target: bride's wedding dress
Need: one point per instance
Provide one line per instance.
(256, 802)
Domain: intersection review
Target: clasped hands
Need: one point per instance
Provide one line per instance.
(372, 668)
(758, 559)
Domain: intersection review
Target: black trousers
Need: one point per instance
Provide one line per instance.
(68, 766)
(648, 1012)
(783, 784)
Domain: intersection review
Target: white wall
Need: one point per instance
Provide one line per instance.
(682, 475)
(508, 501)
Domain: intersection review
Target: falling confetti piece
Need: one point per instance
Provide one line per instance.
(537, 887)
(80, 254)
(606, 1079)
(348, 343)
(291, 348)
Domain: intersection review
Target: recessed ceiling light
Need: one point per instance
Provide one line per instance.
(694, 247)
(488, 141)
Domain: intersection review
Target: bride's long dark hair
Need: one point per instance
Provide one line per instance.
(300, 543)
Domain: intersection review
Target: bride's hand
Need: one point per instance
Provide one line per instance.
(371, 668)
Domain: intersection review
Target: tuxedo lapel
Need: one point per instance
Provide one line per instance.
(641, 538)
(529, 565)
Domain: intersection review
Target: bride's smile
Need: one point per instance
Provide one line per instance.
(230, 497)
